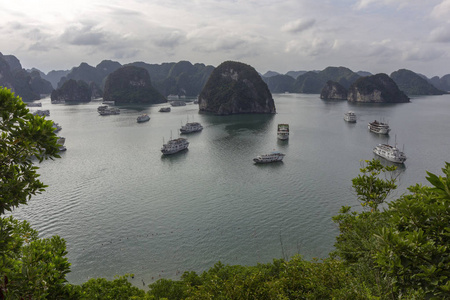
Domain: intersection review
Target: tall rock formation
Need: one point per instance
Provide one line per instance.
(131, 85)
(72, 91)
(333, 91)
(413, 84)
(236, 88)
(379, 88)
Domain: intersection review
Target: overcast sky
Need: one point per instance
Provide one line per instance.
(278, 35)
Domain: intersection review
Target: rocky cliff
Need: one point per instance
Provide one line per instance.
(26, 85)
(236, 88)
(379, 88)
(413, 84)
(333, 91)
(72, 91)
(131, 85)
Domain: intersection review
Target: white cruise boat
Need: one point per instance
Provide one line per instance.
(143, 118)
(350, 117)
(104, 110)
(379, 127)
(283, 131)
(268, 158)
(174, 146)
(191, 127)
(164, 109)
(390, 153)
(109, 102)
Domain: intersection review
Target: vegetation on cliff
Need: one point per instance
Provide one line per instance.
(413, 84)
(234, 88)
(131, 85)
(379, 88)
(333, 91)
(72, 91)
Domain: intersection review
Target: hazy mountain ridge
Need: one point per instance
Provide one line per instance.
(186, 79)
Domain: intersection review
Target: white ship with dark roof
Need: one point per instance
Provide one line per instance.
(174, 146)
(379, 127)
(390, 153)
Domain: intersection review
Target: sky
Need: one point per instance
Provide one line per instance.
(378, 36)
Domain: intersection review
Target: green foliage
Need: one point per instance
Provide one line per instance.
(119, 288)
(23, 136)
(415, 246)
(32, 267)
(372, 190)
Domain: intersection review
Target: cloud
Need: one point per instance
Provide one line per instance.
(312, 47)
(171, 39)
(442, 10)
(422, 54)
(83, 35)
(298, 25)
(364, 4)
(440, 34)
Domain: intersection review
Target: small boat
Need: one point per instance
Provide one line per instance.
(196, 101)
(379, 127)
(104, 110)
(390, 153)
(56, 127)
(283, 131)
(268, 158)
(164, 109)
(143, 118)
(174, 146)
(42, 113)
(191, 127)
(109, 102)
(61, 140)
(350, 117)
(177, 103)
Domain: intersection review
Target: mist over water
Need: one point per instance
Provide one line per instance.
(123, 208)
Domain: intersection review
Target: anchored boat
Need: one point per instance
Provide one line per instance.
(283, 131)
(268, 158)
(350, 117)
(379, 127)
(390, 153)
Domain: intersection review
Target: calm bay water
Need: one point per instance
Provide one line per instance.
(124, 208)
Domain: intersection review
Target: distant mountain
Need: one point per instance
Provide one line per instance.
(27, 85)
(295, 74)
(279, 83)
(414, 84)
(13, 62)
(333, 91)
(363, 73)
(271, 74)
(442, 83)
(72, 91)
(236, 88)
(313, 82)
(379, 88)
(181, 78)
(130, 84)
(55, 76)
